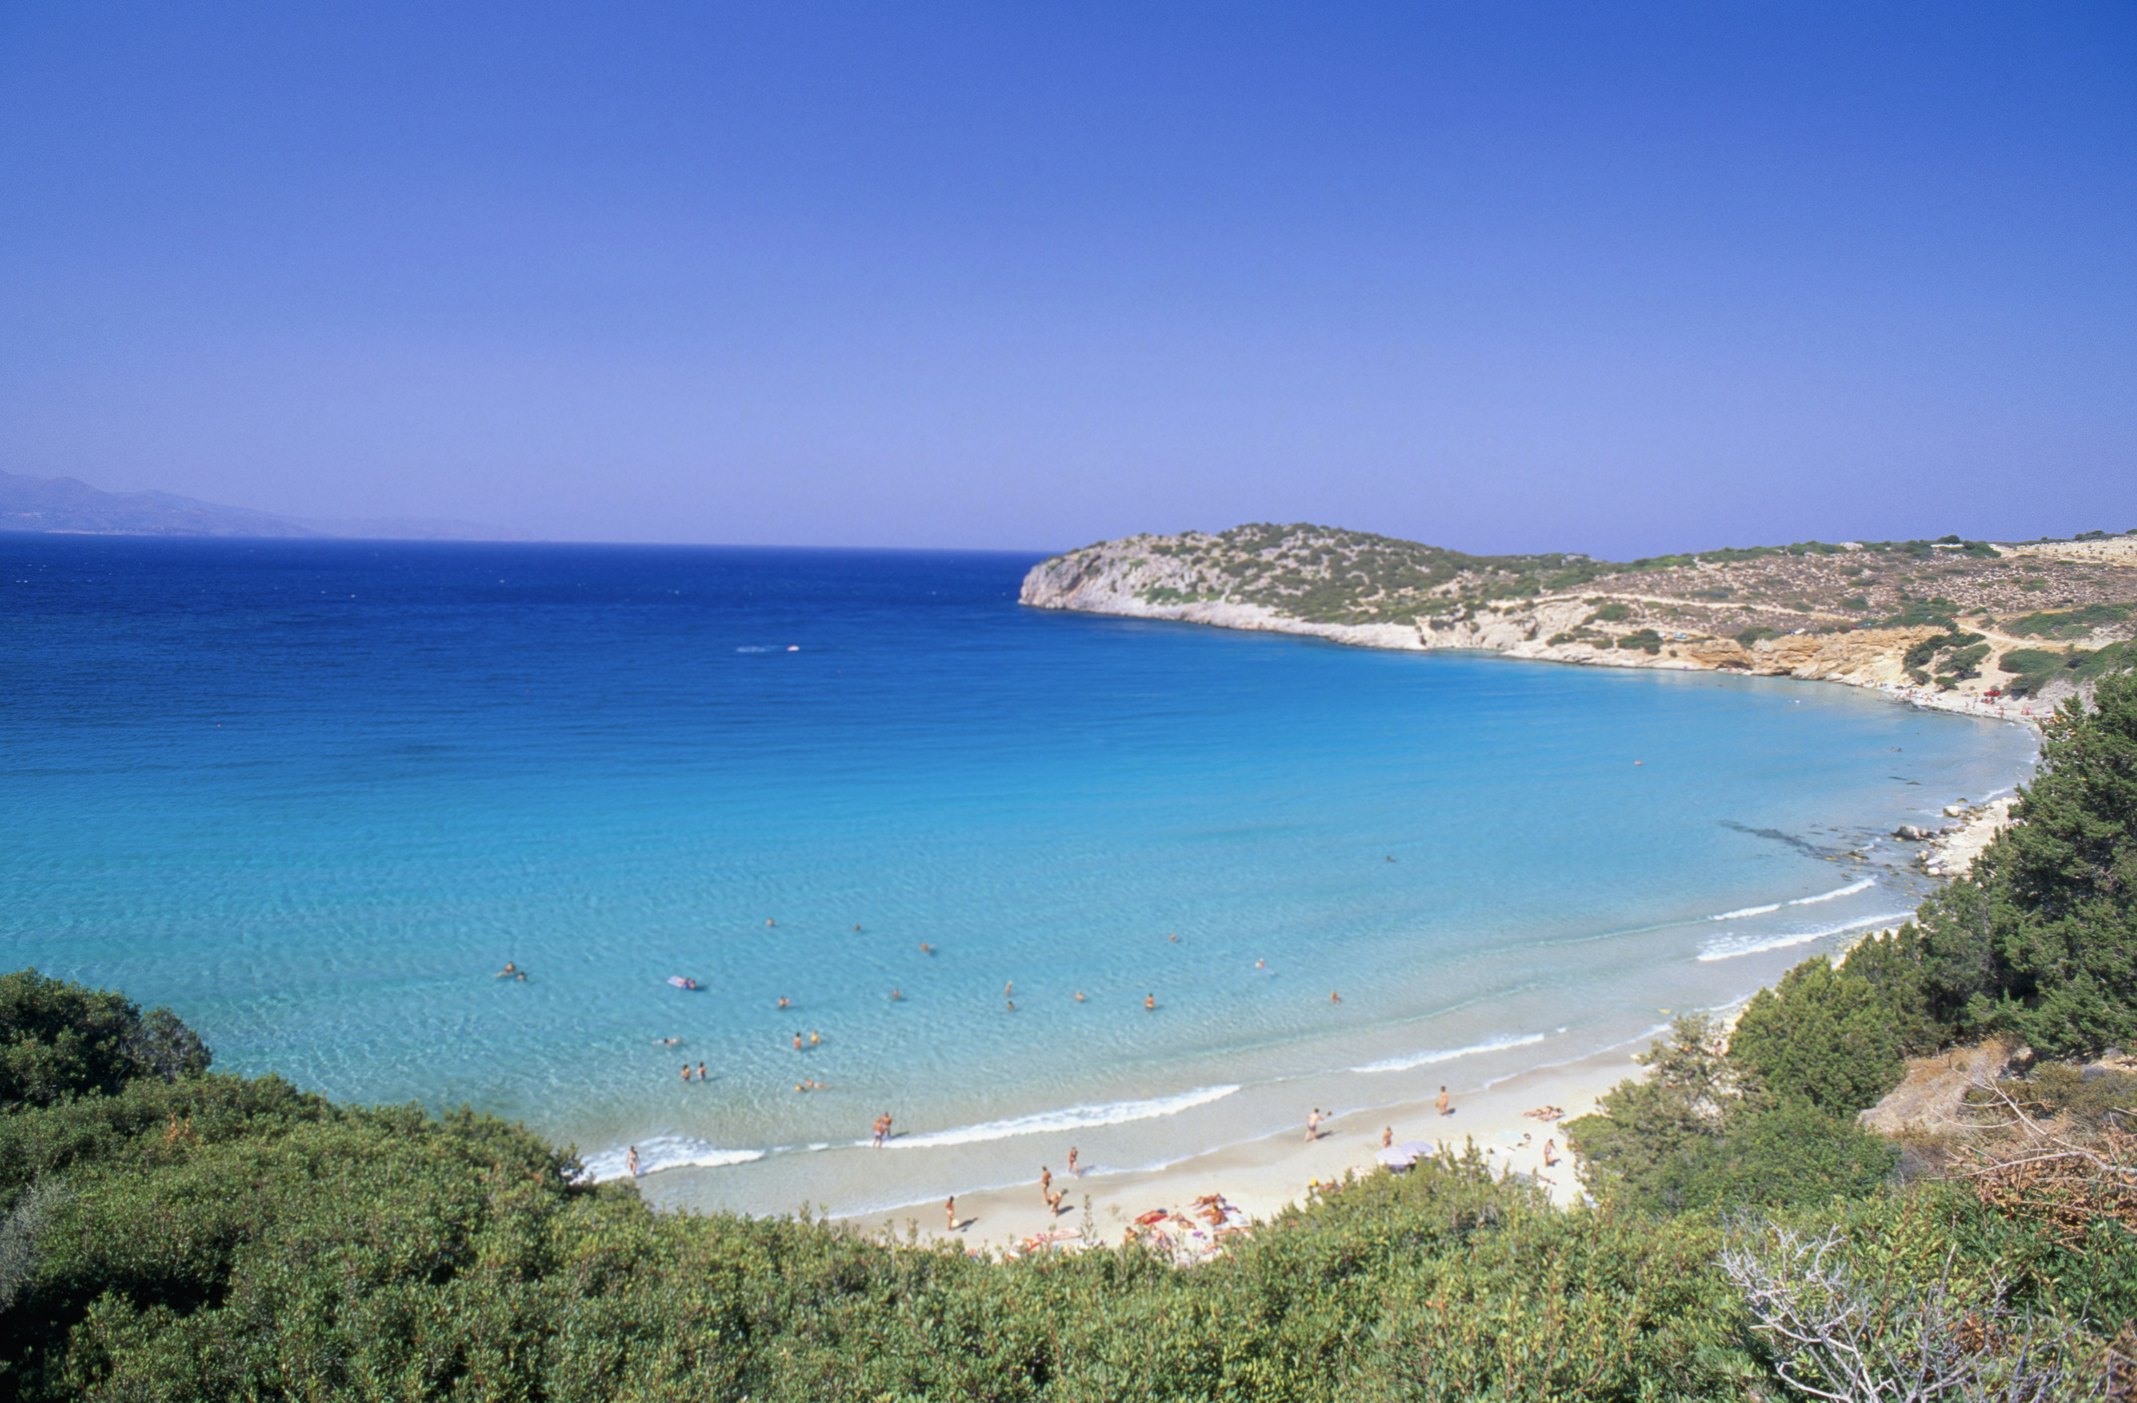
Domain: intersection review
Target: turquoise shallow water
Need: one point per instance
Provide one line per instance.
(314, 794)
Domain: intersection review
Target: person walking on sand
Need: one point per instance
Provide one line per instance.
(1073, 1168)
(1046, 1180)
(1442, 1104)
(1313, 1126)
(1387, 1136)
(630, 1162)
(949, 1208)
(882, 1125)
(1550, 1153)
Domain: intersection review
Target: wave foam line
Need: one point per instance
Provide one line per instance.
(1738, 949)
(1836, 893)
(660, 1152)
(1448, 1054)
(1068, 1118)
(1766, 910)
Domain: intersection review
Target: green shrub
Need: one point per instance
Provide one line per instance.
(1645, 640)
(59, 1040)
(1821, 1036)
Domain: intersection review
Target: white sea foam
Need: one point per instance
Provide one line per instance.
(1448, 1054)
(1863, 884)
(1068, 1118)
(1836, 893)
(1737, 949)
(658, 1152)
(1766, 910)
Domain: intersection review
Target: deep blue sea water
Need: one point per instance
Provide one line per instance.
(314, 794)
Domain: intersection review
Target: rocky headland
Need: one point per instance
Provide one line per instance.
(1999, 629)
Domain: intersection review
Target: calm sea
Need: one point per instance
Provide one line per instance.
(314, 795)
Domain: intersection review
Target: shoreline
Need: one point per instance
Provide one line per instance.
(1261, 1177)
(1264, 1176)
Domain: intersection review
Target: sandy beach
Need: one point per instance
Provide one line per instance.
(1262, 1177)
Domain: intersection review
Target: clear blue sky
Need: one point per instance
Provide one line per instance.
(1598, 276)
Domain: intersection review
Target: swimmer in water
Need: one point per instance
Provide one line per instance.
(686, 1073)
(630, 1162)
(897, 996)
(769, 922)
(701, 1071)
(1174, 937)
(1079, 996)
(797, 1042)
(1261, 964)
(816, 1039)
(1334, 997)
(1012, 1005)
(926, 949)
(785, 1002)
(1009, 989)
(509, 971)
(1150, 1001)
(856, 927)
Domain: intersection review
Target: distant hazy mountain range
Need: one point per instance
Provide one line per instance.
(64, 504)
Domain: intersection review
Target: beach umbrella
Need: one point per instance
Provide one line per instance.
(1396, 1159)
(1418, 1149)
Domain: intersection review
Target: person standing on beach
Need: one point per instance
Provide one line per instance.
(1442, 1104)
(1387, 1136)
(949, 1208)
(1073, 1169)
(1313, 1126)
(1550, 1153)
(630, 1162)
(1046, 1180)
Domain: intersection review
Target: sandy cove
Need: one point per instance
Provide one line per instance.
(1261, 1177)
